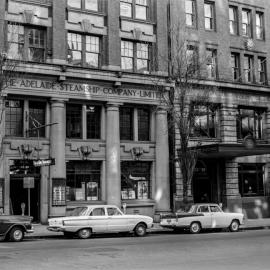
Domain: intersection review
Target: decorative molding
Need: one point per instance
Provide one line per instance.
(26, 150)
(136, 152)
(28, 16)
(85, 151)
(86, 25)
(137, 33)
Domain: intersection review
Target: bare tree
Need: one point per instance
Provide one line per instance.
(184, 100)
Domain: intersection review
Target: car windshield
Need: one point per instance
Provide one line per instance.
(191, 209)
(78, 211)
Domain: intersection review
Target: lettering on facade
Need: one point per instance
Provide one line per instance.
(85, 89)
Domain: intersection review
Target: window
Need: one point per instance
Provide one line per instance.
(74, 121)
(83, 4)
(126, 123)
(190, 9)
(235, 64)
(246, 23)
(83, 50)
(214, 208)
(137, 9)
(26, 43)
(36, 119)
(203, 209)
(134, 56)
(262, 70)
(98, 212)
(135, 180)
(248, 68)
(14, 118)
(143, 124)
(211, 64)
(112, 211)
(93, 122)
(250, 177)
(192, 60)
(205, 121)
(249, 122)
(209, 19)
(83, 181)
(259, 25)
(233, 20)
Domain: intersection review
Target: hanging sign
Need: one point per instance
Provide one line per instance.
(28, 182)
(44, 162)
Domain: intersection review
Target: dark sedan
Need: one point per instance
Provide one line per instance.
(14, 227)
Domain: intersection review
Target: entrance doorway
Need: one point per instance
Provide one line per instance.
(23, 198)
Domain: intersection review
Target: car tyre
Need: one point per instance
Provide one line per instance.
(234, 227)
(195, 227)
(140, 230)
(84, 233)
(16, 234)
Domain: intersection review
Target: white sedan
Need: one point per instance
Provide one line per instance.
(202, 216)
(85, 220)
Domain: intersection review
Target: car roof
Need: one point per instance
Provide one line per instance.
(98, 205)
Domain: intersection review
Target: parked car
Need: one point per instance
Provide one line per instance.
(86, 220)
(202, 216)
(14, 227)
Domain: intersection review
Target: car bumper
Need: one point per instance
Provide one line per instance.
(30, 231)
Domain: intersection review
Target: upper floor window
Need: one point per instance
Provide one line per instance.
(205, 120)
(248, 68)
(262, 70)
(83, 50)
(235, 64)
(83, 4)
(190, 9)
(211, 63)
(246, 23)
(209, 16)
(26, 43)
(137, 9)
(134, 56)
(192, 60)
(233, 20)
(259, 25)
(14, 118)
(249, 122)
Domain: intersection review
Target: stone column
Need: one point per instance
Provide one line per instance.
(231, 195)
(113, 174)
(228, 124)
(162, 196)
(44, 186)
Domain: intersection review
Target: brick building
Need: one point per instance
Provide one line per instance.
(233, 37)
(83, 122)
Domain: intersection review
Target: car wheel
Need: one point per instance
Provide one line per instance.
(234, 227)
(84, 233)
(140, 230)
(68, 234)
(16, 234)
(195, 227)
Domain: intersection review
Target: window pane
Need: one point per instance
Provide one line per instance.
(143, 125)
(126, 123)
(36, 119)
(14, 118)
(125, 9)
(74, 3)
(15, 41)
(75, 48)
(74, 121)
(91, 4)
(127, 55)
(141, 12)
(93, 122)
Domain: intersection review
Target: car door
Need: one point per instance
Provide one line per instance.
(117, 221)
(206, 218)
(98, 220)
(219, 219)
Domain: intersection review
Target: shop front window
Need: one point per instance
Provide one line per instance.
(251, 179)
(36, 119)
(74, 121)
(83, 181)
(14, 118)
(126, 123)
(135, 180)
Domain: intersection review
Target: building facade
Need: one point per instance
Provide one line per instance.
(232, 40)
(83, 123)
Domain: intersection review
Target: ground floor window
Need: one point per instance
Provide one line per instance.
(83, 181)
(135, 180)
(250, 177)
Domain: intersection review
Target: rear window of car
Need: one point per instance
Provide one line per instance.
(214, 208)
(203, 209)
(113, 211)
(78, 211)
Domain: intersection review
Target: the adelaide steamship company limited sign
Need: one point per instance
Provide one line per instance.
(87, 90)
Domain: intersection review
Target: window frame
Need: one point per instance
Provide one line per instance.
(213, 65)
(193, 15)
(236, 68)
(83, 6)
(248, 24)
(233, 22)
(248, 72)
(259, 26)
(262, 70)
(212, 18)
(133, 5)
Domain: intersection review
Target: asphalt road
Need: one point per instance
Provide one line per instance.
(223, 250)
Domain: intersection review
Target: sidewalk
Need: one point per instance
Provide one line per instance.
(40, 231)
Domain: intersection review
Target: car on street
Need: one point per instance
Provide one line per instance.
(202, 216)
(84, 221)
(13, 227)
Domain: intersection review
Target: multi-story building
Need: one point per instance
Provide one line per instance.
(233, 38)
(82, 120)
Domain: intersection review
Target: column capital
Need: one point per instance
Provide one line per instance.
(113, 104)
(58, 100)
(161, 110)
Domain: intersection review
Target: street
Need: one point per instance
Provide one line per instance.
(221, 250)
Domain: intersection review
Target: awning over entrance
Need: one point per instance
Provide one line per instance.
(227, 151)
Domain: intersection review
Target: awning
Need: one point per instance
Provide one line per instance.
(232, 150)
